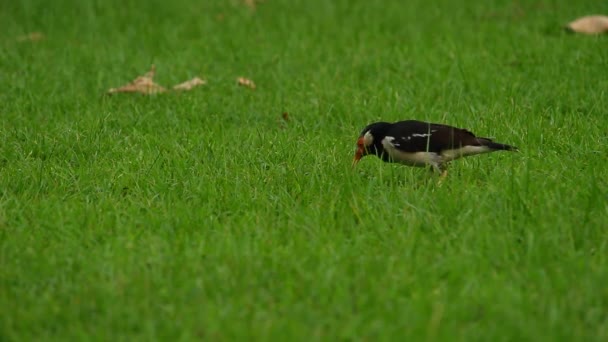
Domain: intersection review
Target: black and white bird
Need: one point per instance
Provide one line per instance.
(419, 143)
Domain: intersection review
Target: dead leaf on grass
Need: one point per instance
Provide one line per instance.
(592, 24)
(188, 85)
(283, 120)
(245, 82)
(252, 3)
(31, 37)
(143, 84)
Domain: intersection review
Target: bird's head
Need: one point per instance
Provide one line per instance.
(369, 141)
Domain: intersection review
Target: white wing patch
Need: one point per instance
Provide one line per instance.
(390, 140)
(420, 135)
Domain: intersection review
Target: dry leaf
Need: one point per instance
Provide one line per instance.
(251, 3)
(143, 84)
(188, 85)
(245, 82)
(31, 37)
(283, 120)
(592, 24)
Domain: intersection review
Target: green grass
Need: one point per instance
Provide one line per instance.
(196, 216)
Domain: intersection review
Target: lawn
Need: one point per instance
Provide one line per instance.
(203, 215)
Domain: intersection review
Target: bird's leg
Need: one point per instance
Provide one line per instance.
(436, 168)
(443, 171)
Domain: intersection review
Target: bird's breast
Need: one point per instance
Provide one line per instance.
(421, 158)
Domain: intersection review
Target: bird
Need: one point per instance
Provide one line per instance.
(422, 144)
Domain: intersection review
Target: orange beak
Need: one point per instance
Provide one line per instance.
(359, 153)
(357, 157)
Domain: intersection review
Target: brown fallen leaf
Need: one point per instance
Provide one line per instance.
(245, 82)
(31, 37)
(143, 84)
(252, 3)
(188, 85)
(283, 120)
(592, 24)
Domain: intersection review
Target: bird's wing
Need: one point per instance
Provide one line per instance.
(416, 136)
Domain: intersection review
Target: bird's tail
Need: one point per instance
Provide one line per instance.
(496, 146)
